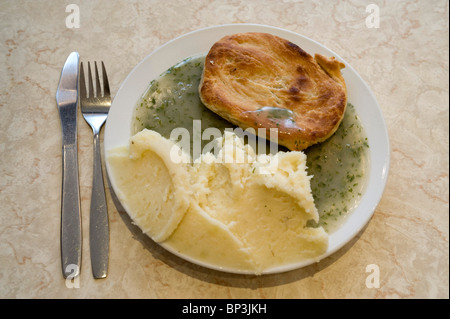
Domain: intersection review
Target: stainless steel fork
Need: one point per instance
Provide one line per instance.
(95, 107)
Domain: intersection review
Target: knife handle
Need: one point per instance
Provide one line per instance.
(98, 220)
(71, 237)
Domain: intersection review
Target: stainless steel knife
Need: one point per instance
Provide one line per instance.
(71, 236)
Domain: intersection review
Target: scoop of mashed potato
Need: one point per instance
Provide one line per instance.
(234, 209)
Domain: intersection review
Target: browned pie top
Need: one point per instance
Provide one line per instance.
(259, 80)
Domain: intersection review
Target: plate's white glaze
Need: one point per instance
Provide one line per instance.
(118, 125)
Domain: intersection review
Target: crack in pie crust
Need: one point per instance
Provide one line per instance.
(258, 80)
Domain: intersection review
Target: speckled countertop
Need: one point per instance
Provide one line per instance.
(405, 61)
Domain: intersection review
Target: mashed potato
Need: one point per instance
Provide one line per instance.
(233, 209)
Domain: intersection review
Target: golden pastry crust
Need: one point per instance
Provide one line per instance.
(259, 80)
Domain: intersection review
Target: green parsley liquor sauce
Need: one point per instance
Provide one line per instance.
(173, 101)
(338, 165)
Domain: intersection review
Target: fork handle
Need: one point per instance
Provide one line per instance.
(98, 224)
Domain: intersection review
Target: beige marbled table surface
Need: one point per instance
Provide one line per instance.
(405, 62)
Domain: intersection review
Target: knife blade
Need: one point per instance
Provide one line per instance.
(71, 236)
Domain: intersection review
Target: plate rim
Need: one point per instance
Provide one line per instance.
(370, 201)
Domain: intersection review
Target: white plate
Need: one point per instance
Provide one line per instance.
(118, 125)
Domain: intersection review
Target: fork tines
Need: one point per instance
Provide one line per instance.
(98, 91)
